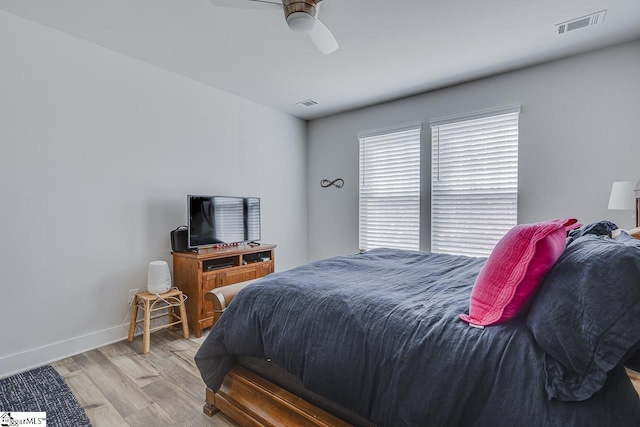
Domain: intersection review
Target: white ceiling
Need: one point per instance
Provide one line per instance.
(388, 48)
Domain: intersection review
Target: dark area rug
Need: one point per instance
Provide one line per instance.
(42, 390)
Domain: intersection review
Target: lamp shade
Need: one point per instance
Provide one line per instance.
(623, 196)
(158, 277)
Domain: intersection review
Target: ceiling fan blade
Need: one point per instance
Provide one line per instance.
(248, 4)
(323, 38)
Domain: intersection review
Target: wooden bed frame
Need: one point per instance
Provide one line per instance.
(251, 400)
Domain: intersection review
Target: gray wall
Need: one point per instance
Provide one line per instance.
(578, 133)
(97, 154)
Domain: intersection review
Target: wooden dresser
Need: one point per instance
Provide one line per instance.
(196, 273)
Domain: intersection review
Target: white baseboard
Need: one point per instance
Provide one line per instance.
(26, 360)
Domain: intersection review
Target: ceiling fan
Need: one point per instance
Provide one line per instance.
(301, 16)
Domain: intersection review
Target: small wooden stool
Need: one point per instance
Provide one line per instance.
(153, 302)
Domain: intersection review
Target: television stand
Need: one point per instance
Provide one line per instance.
(196, 273)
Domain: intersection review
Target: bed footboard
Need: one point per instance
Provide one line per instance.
(250, 400)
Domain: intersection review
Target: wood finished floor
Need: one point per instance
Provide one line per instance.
(117, 385)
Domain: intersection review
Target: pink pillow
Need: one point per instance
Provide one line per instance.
(514, 270)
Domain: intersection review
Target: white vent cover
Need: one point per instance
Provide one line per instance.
(584, 21)
(307, 103)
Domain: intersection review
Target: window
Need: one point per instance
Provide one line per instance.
(390, 188)
(474, 185)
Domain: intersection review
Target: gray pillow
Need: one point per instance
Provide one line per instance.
(586, 315)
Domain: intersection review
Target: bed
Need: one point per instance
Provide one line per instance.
(376, 339)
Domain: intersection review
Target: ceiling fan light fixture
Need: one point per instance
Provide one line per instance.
(301, 14)
(301, 22)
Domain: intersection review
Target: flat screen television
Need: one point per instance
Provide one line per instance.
(222, 220)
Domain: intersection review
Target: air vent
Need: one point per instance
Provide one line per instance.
(307, 103)
(584, 21)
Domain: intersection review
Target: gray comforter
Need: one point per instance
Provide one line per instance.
(379, 333)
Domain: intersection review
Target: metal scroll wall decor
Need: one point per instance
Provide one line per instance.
(326, 183)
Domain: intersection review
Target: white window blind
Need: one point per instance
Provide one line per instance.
(390, 189)
(474, 185)
(228, 220)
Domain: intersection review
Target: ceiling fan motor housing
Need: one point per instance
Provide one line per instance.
(301, 14)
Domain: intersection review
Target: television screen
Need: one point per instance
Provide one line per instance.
(216, 220)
